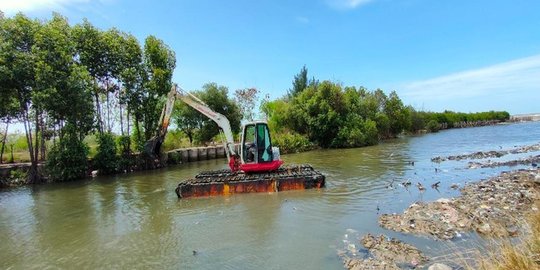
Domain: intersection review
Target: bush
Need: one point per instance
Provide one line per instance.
(291, 142)
(67, 159)
(433, 126)
(125, 161)
(106, 160)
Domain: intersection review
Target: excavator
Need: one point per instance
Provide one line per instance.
(256, 167)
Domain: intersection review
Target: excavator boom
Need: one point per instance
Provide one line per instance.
(176, 92)
(262, 173)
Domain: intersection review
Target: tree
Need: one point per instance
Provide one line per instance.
(63, 87)
(276, 112)
(92, 53)
(398, 115)
(17, 75)
(300, 82)
(9, 110)
(216, 97)
(159, 63)
(187, 119)
(246, 100)
(318, 112)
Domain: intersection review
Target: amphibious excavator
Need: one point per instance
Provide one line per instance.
(254, 167)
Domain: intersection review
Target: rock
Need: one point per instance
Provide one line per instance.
(392, 250)
(484, 228)
(439, 266)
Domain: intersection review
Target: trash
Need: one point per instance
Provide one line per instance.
(489, 154)
(490, 207)
(384, 253)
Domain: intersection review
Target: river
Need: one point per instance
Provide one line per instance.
(136, 220)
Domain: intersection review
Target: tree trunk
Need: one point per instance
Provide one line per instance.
(32, 173)
(98, 110)
(108, 111)
(121, 120)
(127, 122)
(4, 143)
(33, 166)
(138, 130)
(43, 146)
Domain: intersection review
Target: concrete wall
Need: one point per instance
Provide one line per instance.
(192, 154)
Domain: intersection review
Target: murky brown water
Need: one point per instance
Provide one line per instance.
(136, 221)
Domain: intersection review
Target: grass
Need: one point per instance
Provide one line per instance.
(521, 254)
(173, 140)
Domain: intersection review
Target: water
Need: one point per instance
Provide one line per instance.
(136, 221)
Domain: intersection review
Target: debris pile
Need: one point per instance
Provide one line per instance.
(385, 253)
(490, 207)
(532, 160)
(489, 154)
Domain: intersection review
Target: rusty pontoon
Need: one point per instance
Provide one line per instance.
(225, 182)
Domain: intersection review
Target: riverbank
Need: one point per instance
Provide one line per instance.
(496, 207)
(15, 174)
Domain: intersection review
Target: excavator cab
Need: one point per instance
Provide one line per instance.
(257, 153)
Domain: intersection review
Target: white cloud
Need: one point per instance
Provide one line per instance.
(512, 78)
(14, 6)
(347, 4)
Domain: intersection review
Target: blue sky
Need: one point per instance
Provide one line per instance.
(459, 55)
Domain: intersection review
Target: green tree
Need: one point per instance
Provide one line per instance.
(106, 160)
(92, 53)
(17, 75)
(187, 119)
(276, 112)
(318, 112)
(216, 97)
(159, 63)
(63, 87)
(300, 82)
(398, 116)
(68, 159)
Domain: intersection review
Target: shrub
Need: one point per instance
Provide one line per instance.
(290, 142)
(67, 159)
(106, 160)
(125, 161)
(432, 126)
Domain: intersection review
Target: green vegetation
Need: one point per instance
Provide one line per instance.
(71, 86)
(106, 160)
(330, 115)
(68, 159)
(198, 127)
(520, 253)
(63, 82)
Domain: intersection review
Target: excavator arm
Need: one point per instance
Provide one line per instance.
(153, 145)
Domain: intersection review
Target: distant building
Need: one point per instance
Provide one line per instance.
(525, 117)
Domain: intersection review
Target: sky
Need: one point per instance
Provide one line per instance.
(438, 55)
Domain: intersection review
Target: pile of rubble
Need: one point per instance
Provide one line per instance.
(490, 207)
(489, 154)
(385, 253)
(532, 160)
